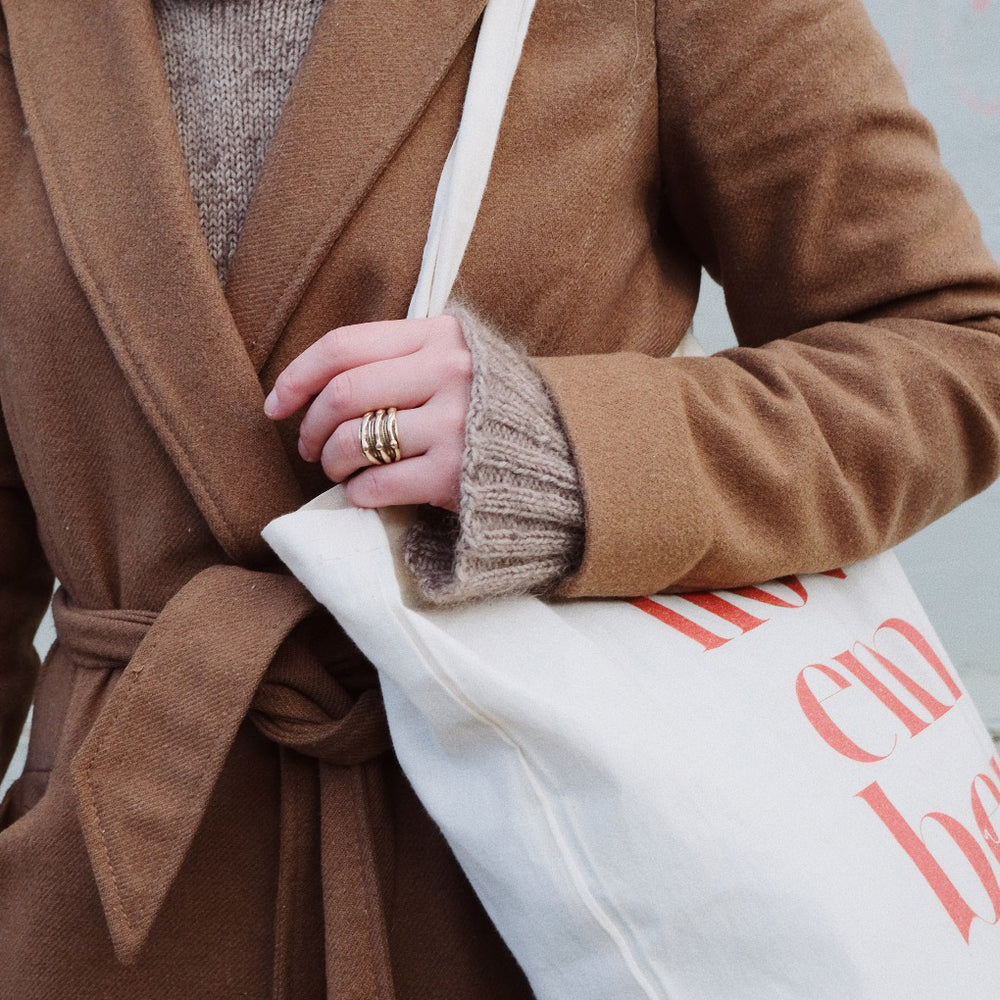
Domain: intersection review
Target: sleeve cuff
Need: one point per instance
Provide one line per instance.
(520, 525)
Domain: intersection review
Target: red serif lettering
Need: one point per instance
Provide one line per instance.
(961, 913)
(709, 640)
(812, 706)
(983, 816)
(820, 720)
(911, 720)
(724, 610)
(919, 642)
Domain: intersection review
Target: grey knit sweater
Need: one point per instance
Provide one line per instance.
(230, 67)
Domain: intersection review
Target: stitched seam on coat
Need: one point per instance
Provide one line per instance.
(92, 799)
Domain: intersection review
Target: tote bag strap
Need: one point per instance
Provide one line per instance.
(467, 169)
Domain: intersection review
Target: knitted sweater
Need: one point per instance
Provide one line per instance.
(230, 67)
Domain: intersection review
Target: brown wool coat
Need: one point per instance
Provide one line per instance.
(222, 819)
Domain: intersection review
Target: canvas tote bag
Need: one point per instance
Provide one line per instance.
(775, 792)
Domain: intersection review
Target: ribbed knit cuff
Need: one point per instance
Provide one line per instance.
(520, 524)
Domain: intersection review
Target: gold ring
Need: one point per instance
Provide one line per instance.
(367, 440)
(379, 435)
(387, 435)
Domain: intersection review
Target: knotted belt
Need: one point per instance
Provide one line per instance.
(218, 653)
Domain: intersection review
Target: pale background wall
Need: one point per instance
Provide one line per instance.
(947, 51)
(949, 54)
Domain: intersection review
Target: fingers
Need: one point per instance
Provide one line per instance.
(405, 383)
(423, 368)
(426, 479)
(350, 347)
(436, 428)
(342, 456)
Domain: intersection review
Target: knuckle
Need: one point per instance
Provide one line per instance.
(290, 383)
(425, 330)
(331, 344)
(368, 489)
(451, 420)
(340, 393)
(345, 448)
(329, 462)
(458, 422)
(457, 365)
(329, 468)
(340, 458)
(451, 328)
(452, 471)
(308, 441)
(308, 434)
(440, 333)
(441, 480)
(446, 494)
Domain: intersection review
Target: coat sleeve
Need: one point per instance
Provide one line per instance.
(865, 400)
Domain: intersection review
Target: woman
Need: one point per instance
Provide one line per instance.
(223, 817)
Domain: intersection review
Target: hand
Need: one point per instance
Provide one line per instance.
(422, 367)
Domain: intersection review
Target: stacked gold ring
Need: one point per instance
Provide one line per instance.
(380, 436)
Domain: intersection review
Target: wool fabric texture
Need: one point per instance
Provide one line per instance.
(640, 143)
(520, 523)
(230, 66)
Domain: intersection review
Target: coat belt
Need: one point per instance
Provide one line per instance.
(222, 650)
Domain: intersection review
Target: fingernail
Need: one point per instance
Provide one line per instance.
(303, 452)
(271, 403)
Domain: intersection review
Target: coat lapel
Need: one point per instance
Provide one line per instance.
(95, 98)
(370, 72)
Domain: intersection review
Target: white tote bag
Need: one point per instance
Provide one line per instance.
(772, 793)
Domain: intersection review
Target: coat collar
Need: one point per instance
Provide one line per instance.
(369, 74)
(94, 92)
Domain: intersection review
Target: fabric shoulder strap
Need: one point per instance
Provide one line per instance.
(467, 169)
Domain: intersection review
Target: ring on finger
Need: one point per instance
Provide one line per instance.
(387, 436)
(379, 435)
(367, 436)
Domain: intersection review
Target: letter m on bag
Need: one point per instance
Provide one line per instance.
(730, 616)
